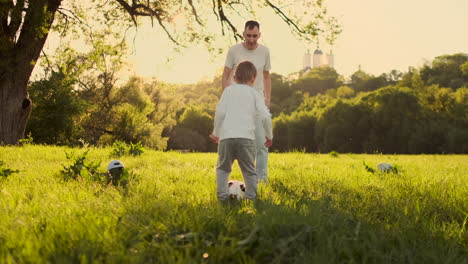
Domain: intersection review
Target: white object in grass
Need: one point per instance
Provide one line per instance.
(384, 167)
(114, 164)
(236, 189)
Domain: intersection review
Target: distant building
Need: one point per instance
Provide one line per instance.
(306, 62)
(317, 59)
(331, 60)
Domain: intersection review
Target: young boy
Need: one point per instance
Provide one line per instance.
(234, 130)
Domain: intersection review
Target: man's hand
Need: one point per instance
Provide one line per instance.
(214, 138)
(268, 142)
(267, 103)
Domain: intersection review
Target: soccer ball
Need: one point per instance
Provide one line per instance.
(384, 167)
(236, 189)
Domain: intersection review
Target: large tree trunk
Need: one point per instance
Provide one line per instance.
(15, 108)
(21, 42)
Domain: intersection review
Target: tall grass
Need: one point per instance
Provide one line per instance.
(315, 209)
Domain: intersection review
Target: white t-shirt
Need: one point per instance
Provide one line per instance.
(236, 112)
(260, 57)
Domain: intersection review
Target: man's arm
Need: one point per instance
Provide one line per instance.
(226, 77)
(267, 87)
(264, 114)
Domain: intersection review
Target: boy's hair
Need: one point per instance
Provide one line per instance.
(245, 72)
(251, 24)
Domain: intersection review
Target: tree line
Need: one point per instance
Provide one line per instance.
(25, 28)
(81, 99)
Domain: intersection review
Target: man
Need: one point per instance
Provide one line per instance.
(259, 55)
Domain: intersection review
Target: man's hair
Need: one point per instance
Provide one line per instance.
(245, 72)
(251, 24)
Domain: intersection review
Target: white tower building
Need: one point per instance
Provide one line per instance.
(331, 60)
(317, 58)
(306, 62)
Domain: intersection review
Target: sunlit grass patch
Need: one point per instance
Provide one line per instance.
(317, 208)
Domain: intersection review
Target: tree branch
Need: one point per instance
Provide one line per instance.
(225, 20)
(49, 66)
(5, 7)
(214, 9)
(286, 19)
(98, 129)
(37, 23)
(129, 10)
(194, 11)
(137, 9)
(16, 17)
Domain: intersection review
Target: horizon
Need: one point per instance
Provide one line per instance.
(426, 28)
(372, 39)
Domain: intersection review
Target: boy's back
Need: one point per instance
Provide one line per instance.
(236, 112)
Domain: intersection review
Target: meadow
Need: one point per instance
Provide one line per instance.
(316, 208)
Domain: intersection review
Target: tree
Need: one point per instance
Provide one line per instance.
(295, 131)
(345, 92)
(192, 130)
(318, 80)
(364, 82)
(284, 99)
(394, 112)
(25, 26)
(56, 109)
(446, 71)
(343, 127)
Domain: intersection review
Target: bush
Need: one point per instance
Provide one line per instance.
(192, 130)
(26, 141)
(121, 148)
(81, 169)
(136, 149)
(131, 124)
(4, 171)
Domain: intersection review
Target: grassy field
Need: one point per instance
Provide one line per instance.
(316, 209)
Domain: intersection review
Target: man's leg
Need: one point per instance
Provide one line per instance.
(262, 152)
(223, 168)
(246, 156)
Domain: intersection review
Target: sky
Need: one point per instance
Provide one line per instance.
(378, 36)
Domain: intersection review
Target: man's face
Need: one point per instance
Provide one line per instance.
(251, 37)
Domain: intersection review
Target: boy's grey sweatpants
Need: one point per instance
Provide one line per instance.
(243, 150)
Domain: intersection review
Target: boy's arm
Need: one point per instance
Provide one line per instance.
(220, 114)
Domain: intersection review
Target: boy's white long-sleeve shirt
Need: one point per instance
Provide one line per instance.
(237, 111)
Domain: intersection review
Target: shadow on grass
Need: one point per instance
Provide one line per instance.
(308, 229)
(337, 225)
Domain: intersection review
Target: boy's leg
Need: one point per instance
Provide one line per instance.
(262, 151)
(223, 168)
(246, 156)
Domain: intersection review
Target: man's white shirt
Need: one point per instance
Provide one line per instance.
(237, 110)
(260, 57)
